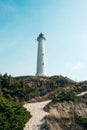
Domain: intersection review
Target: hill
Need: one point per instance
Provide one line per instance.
(15, 91)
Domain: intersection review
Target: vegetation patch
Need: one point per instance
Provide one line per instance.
(64, 96)
(12, 115)
(80, 120)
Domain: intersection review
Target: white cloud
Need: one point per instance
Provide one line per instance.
(77, 66)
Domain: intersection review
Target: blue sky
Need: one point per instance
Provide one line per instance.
(64, 24)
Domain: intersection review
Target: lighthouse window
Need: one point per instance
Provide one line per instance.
(42, 63)
(42, 54)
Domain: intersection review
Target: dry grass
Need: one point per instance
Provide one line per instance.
(54, 113)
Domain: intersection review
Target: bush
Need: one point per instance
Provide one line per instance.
(12, 115)
(80, 120)
(65, 96)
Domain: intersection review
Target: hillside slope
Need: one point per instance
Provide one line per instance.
(67, 112)
(15, 91)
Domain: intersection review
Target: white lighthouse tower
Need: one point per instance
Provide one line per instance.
(41, 59)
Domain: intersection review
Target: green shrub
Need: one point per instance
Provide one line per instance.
(65, 96)
(12, 115)
(80, 120)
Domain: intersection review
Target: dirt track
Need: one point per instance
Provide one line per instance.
(82, 93)
(37, 112)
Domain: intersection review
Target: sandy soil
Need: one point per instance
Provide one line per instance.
(82, 93)
(37, 112)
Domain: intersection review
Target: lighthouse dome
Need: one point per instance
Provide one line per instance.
(41, 36)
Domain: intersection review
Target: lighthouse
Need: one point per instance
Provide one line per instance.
(41, 59)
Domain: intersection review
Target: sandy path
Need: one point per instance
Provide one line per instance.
(82, 93)
(37, 112)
